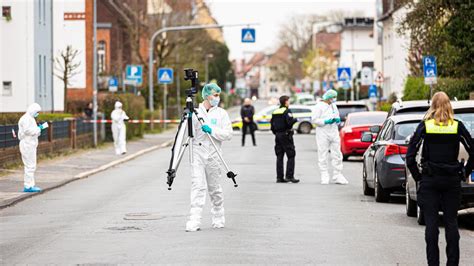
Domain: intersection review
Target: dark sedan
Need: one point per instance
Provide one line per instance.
(384, 160)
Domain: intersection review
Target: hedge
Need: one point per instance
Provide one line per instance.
(415, 89)
(12, 118)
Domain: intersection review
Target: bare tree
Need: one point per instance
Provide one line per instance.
(66, 67)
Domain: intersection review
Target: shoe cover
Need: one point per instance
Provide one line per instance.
(192, 226)
(32, 189)
(341, 180)
(324, 178)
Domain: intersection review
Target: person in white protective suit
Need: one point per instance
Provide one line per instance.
(28, 133)
(206, 166)
(326, 117)
(119, 130)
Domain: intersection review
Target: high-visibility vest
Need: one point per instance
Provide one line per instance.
(432, 128)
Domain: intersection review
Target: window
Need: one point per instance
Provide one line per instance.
(40, 79)
(299, 110)
(7, 12)
(403, 130)
(7, 88)
(40, 17)
(101, 53)
(44, 76)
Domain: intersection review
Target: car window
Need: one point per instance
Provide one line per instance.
(403, 130)
(382, 130)
(299, 110)
(468, 120)
(387, 135)
(344, 110)
(413, 110)
(367, 119)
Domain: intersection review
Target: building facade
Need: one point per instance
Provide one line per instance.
(357, 43)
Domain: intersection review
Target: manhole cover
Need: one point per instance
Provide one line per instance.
(143, 216)
(124, 228)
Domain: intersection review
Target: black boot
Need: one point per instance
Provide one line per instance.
(292, 180)
(282, 180)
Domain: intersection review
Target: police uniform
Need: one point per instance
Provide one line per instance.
(281, 125)
(440, 181)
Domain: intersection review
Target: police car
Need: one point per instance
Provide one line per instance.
(262, 118)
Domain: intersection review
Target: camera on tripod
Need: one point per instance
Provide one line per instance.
(191, 74)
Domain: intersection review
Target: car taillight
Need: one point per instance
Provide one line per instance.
(393, 149)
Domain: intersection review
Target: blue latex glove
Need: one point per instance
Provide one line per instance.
(329, 121)
(206, 129)
(337, 120)
(41, 127)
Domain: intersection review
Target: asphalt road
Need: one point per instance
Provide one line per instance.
(126, 215)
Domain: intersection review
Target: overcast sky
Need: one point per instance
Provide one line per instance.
(269, 15)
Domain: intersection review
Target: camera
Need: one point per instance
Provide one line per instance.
(191, 74)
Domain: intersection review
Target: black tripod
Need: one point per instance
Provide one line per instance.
(182, 141)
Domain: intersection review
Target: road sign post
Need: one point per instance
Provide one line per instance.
(165, 76)
(430, 71)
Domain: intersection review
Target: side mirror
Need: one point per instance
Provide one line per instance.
(366, 137)
(375, 129)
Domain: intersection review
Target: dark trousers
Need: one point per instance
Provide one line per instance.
(434, 194)
(284, 145)
(248, 127)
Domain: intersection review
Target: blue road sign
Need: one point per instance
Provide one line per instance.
(113, 81)
(344, 74)
(430, 70)
(248, 35)
(165, 75)
(372, 91)
(134, 74)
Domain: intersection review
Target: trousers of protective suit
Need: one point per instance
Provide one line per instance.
(329, 143)
(206, 166)
(28, 156)
(119, 133)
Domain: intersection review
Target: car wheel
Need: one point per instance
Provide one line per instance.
(381, 194)
(420, 216)
(365, 187)
(410, 204)
(305, 128)
(345, 158)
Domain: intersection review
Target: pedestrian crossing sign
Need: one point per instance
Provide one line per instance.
(248, 35)
(165, 75)
(343, 74)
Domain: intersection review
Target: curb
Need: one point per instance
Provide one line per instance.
(86, 174)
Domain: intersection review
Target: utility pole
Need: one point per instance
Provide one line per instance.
(207, 66)
(94, 76)
(178, 86)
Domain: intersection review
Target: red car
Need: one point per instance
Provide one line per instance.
(355, 125)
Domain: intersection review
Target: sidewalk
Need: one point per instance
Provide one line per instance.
(56, 172)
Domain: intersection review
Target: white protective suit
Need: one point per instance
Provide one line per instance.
(206, 166)
(327, 139)
(28, 133)
(119, 130)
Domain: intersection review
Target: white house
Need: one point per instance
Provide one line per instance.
(395, 49)
(32, 35)
(357, 43)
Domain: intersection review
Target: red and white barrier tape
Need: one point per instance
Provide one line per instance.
(135, 121)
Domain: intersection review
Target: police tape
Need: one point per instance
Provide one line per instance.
(136, 121)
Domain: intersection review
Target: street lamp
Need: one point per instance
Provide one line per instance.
(207, 66)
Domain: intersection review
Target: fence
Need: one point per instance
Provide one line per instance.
(58, 137)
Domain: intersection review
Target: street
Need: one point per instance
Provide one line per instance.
(127, 215)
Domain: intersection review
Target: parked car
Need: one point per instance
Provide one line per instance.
(383, 170)
(464, 111)
(301, 98)
(346, 108)
(355, 125)
(409, 107)
(302, 113)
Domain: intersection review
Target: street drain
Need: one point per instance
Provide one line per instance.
(142, 216)
(124, 228)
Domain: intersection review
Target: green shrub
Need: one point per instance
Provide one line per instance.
(384, 106)
(53, 117)
(133, 105)
(415, 89)
(12, 118)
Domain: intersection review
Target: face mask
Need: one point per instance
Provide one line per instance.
(333, 100)
(215, 101)
(36, 115)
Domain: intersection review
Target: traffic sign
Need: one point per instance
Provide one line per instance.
(430, 70)
(134, 75)
(113, 84)
(165, 75)
(366, 76)
(248, 35)
(343, 74)
(372, 91)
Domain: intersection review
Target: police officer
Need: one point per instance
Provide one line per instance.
(441, 174)
(282, 126)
